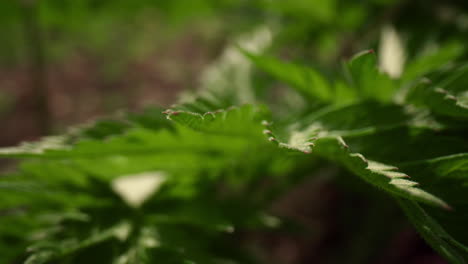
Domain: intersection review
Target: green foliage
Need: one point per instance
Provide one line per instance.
(305, 80)
(184, 184)
(67, 189)
(384, 131)
(194, 162)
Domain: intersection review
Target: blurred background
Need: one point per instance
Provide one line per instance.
(65, 62)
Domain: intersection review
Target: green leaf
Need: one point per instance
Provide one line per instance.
(47, 251)
(244, 120)
(325, 127)
(353, 120)
(384, 176)
(431, 61)
(305, 80)
(438, 100)
(139, 141)
(36, 148)
(192, 149)
(229, 79)
(445, 176)
(367, 80)
(434, 234)
(291, 138)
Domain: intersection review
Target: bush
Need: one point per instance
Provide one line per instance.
(188, 184)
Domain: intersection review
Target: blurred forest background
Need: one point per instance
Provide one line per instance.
(65, 62)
